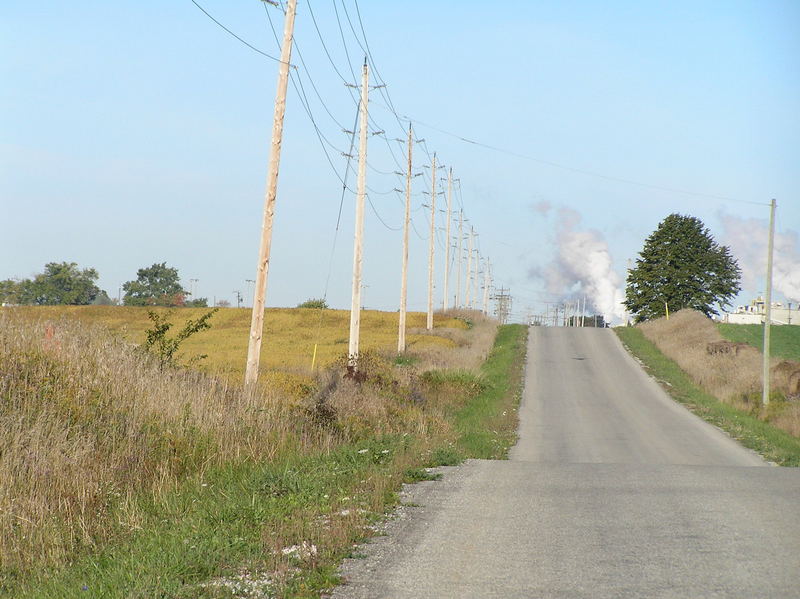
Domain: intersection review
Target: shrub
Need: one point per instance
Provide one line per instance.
(316, 304)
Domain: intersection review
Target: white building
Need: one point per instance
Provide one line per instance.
(754, 313)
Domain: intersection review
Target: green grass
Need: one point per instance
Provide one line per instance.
(770, 442)
(238, 517)
(213, 527)
(487, 425)
(784, 340)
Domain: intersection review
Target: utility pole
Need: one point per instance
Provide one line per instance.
(401, 332)
(503, 298)
(262, 270)
(476, 279)
(583, 311)
(447, 238)
(431, 244)
(768, 306)
(358, 243)
(458, 251)
(467, 297)
(486, 288)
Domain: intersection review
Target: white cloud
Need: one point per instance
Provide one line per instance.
(747, 238)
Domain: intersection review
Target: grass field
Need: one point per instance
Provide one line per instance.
(289, 333)
(784, 340)
(123, 479)
(290, 336)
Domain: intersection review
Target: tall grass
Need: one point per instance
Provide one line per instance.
(733, 377)
(103, 451)
(87, 422)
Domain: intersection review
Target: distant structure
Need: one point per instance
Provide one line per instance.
(753, 313)
(503, 306)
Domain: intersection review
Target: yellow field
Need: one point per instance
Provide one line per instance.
(289, 335)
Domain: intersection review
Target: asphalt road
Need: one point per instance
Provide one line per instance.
(613, 490)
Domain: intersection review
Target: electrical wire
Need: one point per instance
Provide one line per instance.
(246, 43)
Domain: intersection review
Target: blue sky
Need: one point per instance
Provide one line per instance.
(134, 133)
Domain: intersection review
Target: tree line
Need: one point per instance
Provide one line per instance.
(64, 283)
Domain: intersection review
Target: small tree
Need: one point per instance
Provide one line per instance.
(681, 266)
(157, 285)
(164, 348)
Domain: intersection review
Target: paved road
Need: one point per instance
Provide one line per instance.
(612, 491)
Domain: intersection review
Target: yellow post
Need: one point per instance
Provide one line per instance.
(666, 307)
(314, 357)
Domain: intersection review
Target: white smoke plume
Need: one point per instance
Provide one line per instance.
(747, 239)
(583, 266)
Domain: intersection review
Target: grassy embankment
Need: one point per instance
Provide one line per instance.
(126, 481)
(784, 340)
(738, 413)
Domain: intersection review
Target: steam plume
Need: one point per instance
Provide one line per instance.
(747, 238)
(583, 265)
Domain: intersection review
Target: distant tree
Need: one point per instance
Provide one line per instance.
(681, 266)
(157, 285)
(10, 291)
(200, 302)
(317, 304)
(102, 299)
(60, 283)
(223, 303)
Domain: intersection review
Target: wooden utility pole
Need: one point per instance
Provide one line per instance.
(583, 311)
(467, 297)
(358, 244)
(476, 279)
(401, 333)
(447, 238)
(486, 288)
(458, 251)
(262, 269)
(431, 244)
(768, 306)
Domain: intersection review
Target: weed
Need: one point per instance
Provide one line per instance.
(164, 348)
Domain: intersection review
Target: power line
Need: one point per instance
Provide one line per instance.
(246, 43)
(574, 169)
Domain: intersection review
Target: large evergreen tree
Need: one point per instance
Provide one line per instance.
(681, 266)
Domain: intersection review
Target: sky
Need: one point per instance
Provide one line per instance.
(139, 133)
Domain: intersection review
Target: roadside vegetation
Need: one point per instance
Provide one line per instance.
(721, 383)
(124, 476)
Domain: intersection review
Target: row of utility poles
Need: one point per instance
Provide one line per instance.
(473, 264)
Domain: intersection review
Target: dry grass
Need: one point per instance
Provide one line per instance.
(88, 422)
(469, 343)
(733, 377)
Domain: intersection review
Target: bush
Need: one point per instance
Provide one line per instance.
(317, 304)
